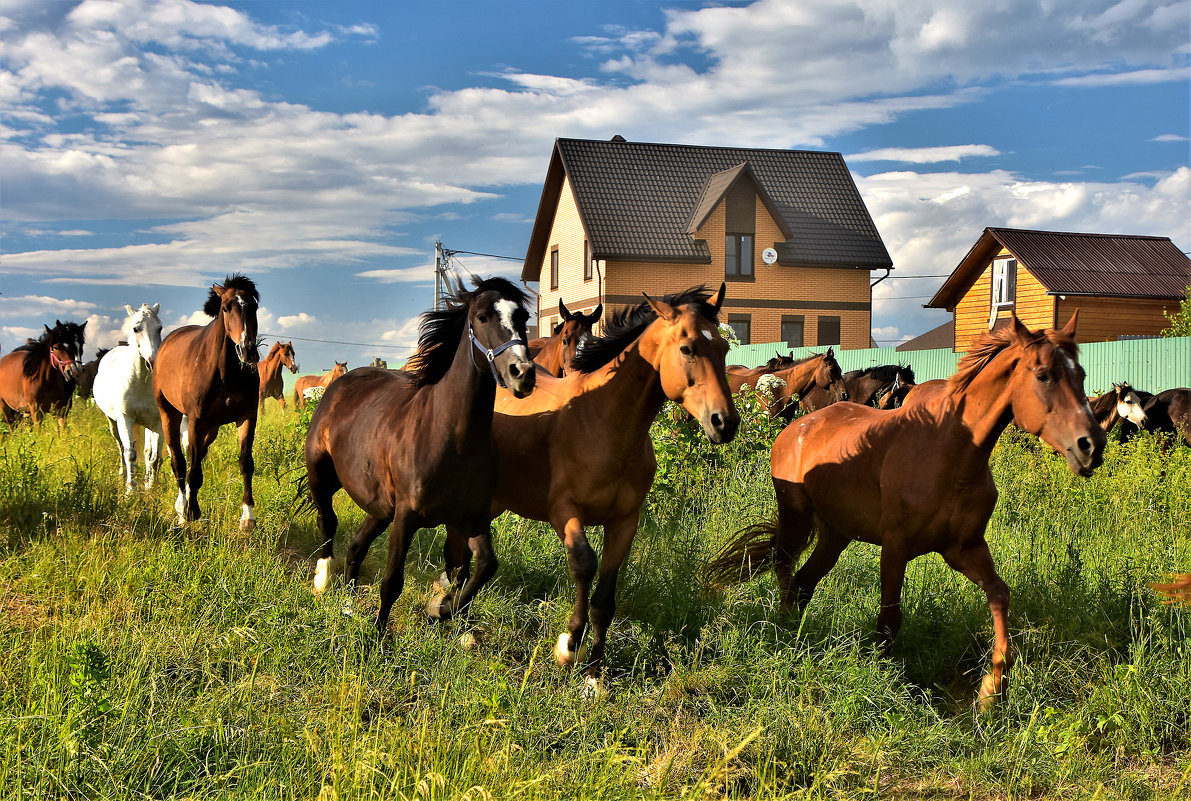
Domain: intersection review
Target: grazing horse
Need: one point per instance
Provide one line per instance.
(207, 373)
(414, 448)
(124, 392)
(916, 479)
(815, 380)
(1120, 403)
(269, 370)
(38, 377)
(549, 470)
(85, 381)
(556, 354)
(871, 384)
(1170, 411)
(308, 382)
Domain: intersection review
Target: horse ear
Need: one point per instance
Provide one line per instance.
(663, 309)
(131, 311)
(830, 352)
(155, 308)
(1019, 328)
(595, 315)
(562, 309)
(717, 300)
(1069, 329)
(47, 328)
(217, 289)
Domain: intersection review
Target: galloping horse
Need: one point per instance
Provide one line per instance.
(309, 382)
(207, 374)
(873, 384)
(556, 353)
(269, 370)
(414, 448)
(123, 391)
(577, 453)
(916, 479)
(1120, 403)
(816, 380)
(38, 377)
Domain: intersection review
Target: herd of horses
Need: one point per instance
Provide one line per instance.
(483, 420)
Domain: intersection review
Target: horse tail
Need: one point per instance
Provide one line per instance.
(753, 551)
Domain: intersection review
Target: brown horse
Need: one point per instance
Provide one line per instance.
(269, 370)
(414, 448)
(815, 380)
(309, 382)
(38, 377)
(577, 453)
(916, 479)
(207, 373)
(739, 375)
(1120, 403)
(1170, 411)
(874, 384)
(555, 354)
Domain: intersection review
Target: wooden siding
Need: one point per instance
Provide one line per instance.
(1031, 303)
(1106, 319)
(576, 292)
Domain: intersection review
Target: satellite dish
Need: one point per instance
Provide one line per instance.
(769, 256)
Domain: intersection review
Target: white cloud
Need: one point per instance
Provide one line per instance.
(1170, 138)
(925, 155)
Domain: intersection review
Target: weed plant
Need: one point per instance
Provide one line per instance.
(141, 659)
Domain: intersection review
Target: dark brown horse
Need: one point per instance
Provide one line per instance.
(577, 453)
(414, 448)
(269, 370)
(38, 377)
(207, 373)
(1170, 411)
(308, 382)
(873, 384)
(555, 353)
(916, 479)
(1120, 403)
(816, 381)
(85, 381)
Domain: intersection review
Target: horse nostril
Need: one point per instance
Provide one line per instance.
(717, 421)
(514, 371)
(1084, 444)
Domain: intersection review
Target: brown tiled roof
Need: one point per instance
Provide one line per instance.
(942, 336)
(636, 201)
(1103, 265)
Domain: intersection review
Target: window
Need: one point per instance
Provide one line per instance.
(554, 267)
(738, 256)
(828, 331)
(1004, 282)
(793, 330)
(742, 327)
(586, 260)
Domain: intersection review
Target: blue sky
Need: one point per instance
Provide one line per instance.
(150, 148)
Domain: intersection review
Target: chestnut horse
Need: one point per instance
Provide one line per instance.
(414, 448)
(269, 370)
(208, 374)
(549, 470)
(816, 380)
(38, 377)
(916, 479)
(309, 382)
(555, 354)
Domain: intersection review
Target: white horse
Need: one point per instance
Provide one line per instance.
(124, 391)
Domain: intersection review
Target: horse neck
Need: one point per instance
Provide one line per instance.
(218, 353)
(462, 399)
(635, 388)
(550, 356)
(801, 377)
(985, 405)
(270, 366)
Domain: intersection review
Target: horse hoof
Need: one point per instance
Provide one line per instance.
(437, 609)
(247, 525)
(988, 696)
(468, 641)
(594, 689)
(563, 654)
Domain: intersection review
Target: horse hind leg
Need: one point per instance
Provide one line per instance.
(829, 546)
(582, 561)
(460, 551)
(976, 563)
(323, 483)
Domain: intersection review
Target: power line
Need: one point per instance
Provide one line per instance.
(332, 341)
(489, 255)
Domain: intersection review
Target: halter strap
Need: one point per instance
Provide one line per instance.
(59, 363)
(490, 353)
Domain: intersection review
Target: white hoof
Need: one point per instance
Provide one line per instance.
(469, 641)
(247, 518)
(593, 688)
(563, 654)
(322, 572)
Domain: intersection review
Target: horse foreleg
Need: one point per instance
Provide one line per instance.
(199, 442)
(152, 455)
(582, 561)
(400, 536)
(125, 430)
(247, 468)
(618, 540)
(171, 423)
(465, 583)
(893, 576)
(975, 562)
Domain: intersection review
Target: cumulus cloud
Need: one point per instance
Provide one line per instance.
(925, 155)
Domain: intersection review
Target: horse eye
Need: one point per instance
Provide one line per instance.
(1044, 377)
(136, 329)
(685, 350)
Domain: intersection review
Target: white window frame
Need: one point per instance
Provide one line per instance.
(1004, 282)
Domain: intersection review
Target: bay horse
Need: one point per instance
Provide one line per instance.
(816, 381)
(555, 353)
(309, 382)
(916, 480)
(123, 391)
(207, 373)
(872, 384)
(739, 375)
(1170, 411)
(85, 380)
(269, 370)
(413, 448)
(550, 469)
(38, 377)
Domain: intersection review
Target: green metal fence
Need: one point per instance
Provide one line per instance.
(1149, 364)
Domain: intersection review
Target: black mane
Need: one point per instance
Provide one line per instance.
(441, 329)
(884, 373)
(627, 323)
(233, 281)
(39, 349)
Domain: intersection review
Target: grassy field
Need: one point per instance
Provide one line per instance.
(144, 660)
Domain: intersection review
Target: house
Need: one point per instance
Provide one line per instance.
(1120, 284)
(787, 229)
(942, 336)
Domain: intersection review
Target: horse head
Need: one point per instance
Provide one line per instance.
(573, 331)
(65, 345)
(496, 318)
(1129, 405)
(829, 377)
(1048, 399)
(235, 303)
(142, 331)
(690, 356)
(288, 358)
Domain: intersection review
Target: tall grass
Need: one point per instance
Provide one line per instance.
(144, 660)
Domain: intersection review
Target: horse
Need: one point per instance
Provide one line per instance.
(207, 373)
(269, 370)
(556, 353)
(304, 385)
(816, 380)
(577, 453)
(123, 391)
(916, 480)
(1170, 411)
(872, 384)
(903, 384)
(414, 448)
(1120, 403)
(739, 375)
(38, 377)
(85, 381)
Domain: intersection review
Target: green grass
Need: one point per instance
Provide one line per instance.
(143, 660)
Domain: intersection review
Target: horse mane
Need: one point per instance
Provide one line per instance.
(441, 329)
(233, 281)
(986, 347)
(883, 372)
(627, 323)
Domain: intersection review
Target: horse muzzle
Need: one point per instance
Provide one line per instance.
(520, 377)
(248, 355)
(1087, 453)
(719, 425)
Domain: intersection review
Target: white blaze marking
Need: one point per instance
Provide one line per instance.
(505, 309)
(708, 334)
